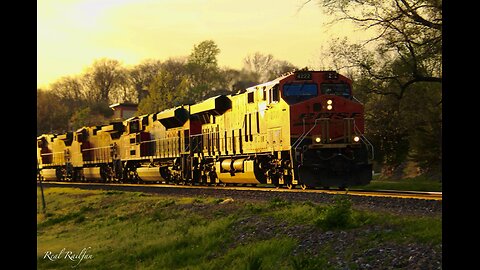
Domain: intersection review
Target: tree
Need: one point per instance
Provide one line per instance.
(280, 67)
(385, 130)
(205, 55)
(52, 115)
(236, 80)
(204, 74)
(103, 79)
(409, 31)
(142, 75)
(86, 117)
(166, 91)
(264, 67)
(70, 90)
(258, 64)
(423, 120)
(404, 126)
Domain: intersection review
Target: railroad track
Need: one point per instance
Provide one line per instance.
(353, 192)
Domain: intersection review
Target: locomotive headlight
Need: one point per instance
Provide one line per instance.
(318, 139)
(356, 139)
(329, 102)
(329, 107)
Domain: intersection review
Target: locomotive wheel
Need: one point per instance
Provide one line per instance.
(304, 186)
(290, 186)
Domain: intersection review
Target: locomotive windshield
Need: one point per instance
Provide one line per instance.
(296, 92)
(339, 89)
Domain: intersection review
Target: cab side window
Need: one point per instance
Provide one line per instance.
(134, 127)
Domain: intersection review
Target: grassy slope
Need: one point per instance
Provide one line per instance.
(128, 230)
(418, 183)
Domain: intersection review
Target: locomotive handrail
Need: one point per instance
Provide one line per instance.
(46, 154)
(198, 143)
(294, 143)
(302, 137)
(157, 140)
(58, 158)
(101, 156)
(357, 100)
(94, 148)
(364, 139)
(162, 149)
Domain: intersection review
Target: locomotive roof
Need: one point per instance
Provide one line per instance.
(44, 136)
(170, 111)
(131, 118)
(270, 83)
(217, 104)
(125, 104)
(277, 80)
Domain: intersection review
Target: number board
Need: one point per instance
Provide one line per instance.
(303, 76)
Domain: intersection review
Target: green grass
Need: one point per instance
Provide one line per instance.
(133, 230)
(419, 183)
(266, 254)
(127, 230)
(341, 215)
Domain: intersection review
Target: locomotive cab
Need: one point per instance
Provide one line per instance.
(327, 126)
(307, 85)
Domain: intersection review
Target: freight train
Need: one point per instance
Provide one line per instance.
(304, 128)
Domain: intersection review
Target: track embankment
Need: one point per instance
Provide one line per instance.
(410, 203)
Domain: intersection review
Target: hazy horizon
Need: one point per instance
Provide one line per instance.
(72, 34)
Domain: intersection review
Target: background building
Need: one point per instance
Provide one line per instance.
(123, 110)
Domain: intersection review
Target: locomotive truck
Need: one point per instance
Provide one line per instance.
(304, 128)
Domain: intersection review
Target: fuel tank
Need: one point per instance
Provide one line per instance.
(49, 174)
(236, 171)
(92, 173)
(149, 174)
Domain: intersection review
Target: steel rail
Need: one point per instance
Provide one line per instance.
(424, 195)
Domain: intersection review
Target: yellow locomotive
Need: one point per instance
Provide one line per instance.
(304, 128)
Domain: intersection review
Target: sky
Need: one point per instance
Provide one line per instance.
(71, 34)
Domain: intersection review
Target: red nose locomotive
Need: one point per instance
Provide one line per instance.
(304, 128)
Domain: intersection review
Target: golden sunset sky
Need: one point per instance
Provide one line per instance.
(71, 34)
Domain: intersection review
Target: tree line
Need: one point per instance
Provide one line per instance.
(75, 101)
(397, 75)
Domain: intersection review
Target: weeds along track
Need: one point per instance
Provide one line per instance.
(399, 202)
